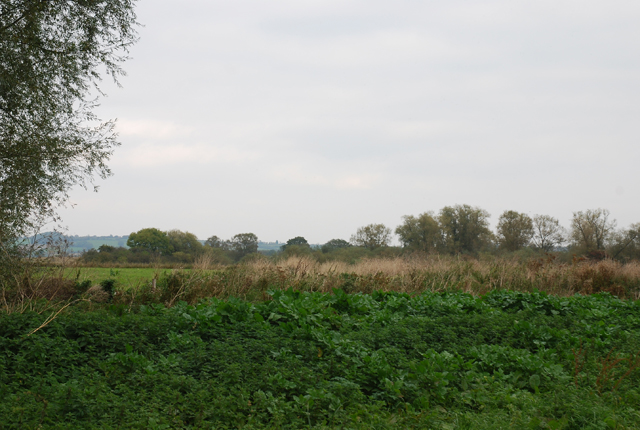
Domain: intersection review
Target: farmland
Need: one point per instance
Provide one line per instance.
(125, 277)
(316, 360)
(393, 343)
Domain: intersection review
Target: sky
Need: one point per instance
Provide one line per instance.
(313, 118)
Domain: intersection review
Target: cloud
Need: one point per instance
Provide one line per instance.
(152, 129)
(356, 182)
(380, 108)
(332, 177)
(156, 155)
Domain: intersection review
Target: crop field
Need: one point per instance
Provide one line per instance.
(441, 360)
(389, 343)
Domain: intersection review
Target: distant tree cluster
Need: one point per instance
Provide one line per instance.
(238, 247)
(463, 229)
(174, 246)
(454, 230)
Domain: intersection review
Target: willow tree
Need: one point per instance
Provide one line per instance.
(372, 236)
(53, 54)
(514, 230)
(421, 233)
(465, 229)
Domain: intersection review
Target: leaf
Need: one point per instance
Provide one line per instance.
(558, 424)
(534, 381)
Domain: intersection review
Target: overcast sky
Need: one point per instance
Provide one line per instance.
(315, 117)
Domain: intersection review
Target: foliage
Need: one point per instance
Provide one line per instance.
(106, 254)
(422, 233)
(514, 230)
(465, 229)
(216, 255)
(591, 229)
(372, 236)
(294, 250)
(625, 244)
(151, 245)
(51, 55)
(296, 241)
(548, 233)
(151, 240)
(216, 242)
(320, 360)
(243, 244)
(334, 244)
(185, 242)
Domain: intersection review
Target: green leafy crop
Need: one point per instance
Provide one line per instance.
(314, 360)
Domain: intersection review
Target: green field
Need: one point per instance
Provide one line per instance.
(505, 360)
(125, 277)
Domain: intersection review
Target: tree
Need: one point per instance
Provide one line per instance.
(514, 230)
(372, 236)
(183, 241)
(51, 55)
(421, 233)
(106, 249)
(547, 233)
(625, 244)
(591, 229)
(465, 229)
(150, 239)
(216, 242)
(334, 244)
(296, 241)
(243, 244)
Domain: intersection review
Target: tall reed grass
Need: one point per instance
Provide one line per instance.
(252, 280)
(407, 275)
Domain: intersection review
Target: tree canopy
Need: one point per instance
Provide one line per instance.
(296, 241)
(243, 244)
(465, 229)
(591, 229)
(216, 242)
(51, 57)
(334, 244)
(421, 233)
(372, 236)
(514, 230)
(152, 240)
(183, 241)
(547, 233)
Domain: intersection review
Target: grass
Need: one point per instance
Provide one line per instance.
(125, 277)
(251, 280)
(406, 274)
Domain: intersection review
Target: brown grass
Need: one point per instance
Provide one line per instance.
(408, 275)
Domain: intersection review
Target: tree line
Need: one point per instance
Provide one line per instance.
(463, 229)
(454, 230)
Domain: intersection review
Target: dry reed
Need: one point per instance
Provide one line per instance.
(407, 275)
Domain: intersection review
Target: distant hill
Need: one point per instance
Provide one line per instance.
(81, 243)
